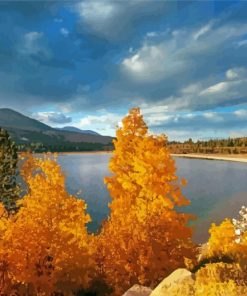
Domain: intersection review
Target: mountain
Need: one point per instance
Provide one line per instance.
(13, 119)
(77, 130)
(26, 132)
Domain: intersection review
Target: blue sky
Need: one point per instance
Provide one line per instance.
(85, 63)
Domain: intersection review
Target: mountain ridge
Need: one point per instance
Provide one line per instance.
(14, 119)
(26, 131)
(78, 130)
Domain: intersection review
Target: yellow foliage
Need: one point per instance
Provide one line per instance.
(45, 246)
(215, 279)
(220, 279)
(219, 289)
(220, 272)
(222, 239)
(229, 288)
(223, 278)
(223, 242)
(145, 238)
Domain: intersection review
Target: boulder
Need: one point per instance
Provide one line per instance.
(178, 278)
(138, 290)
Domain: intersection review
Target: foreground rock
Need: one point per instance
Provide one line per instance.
(138, 290)
(173, 282)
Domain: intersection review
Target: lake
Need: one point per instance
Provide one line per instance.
(216, 189)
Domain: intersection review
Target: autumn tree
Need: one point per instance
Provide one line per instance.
(45, 249)
(145, 237)
(222, 263)
(9, 189)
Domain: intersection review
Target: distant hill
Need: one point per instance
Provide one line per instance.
(29, 132)
(13, 119)
(77, 130)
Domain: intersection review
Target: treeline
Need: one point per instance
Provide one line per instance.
(214, 146)
(37, 147)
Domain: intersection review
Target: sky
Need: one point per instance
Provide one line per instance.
(86, 63)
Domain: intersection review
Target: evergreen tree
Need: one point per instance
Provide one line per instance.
(9, 189)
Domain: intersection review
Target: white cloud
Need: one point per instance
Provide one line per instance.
(219, 87)
(184, 135)
(116, 19)
(209, 115)
(34, 43)
(152, 34)
(153, 62)
(182, 70)
(190, 115)
(235, 73)
(181, 125)
(191, 89)
(242, 43)
(134, 63)
(96, 11)
(226, 90)
(219, 94)
(109, 120)
(146, 109)
(58, 20)
(231, 74)
(160, 60)
(241, 113)
(99, 15)
(52, 117)
(158, 119)
(104, 123)
(64, 32)
(202, 31)
(213, 116)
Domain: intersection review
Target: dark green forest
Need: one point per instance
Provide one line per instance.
(213, 146)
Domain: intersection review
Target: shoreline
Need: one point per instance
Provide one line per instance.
(221, 157)
(84, 152)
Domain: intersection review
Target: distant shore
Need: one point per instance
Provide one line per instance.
(222, 157)
(84, 152)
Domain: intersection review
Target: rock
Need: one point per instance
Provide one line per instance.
(138, 290)
(173, 281)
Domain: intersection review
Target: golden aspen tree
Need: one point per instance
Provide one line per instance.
(46, 245)
(145, 238)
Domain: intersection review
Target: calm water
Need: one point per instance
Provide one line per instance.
(216, 189)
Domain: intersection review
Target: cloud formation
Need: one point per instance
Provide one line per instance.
(188, 70)
(115, 20)
(76, 59)
(52, 117)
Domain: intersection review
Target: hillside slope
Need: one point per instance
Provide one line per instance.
(26, 131)
(12, 119)
(77, 130)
